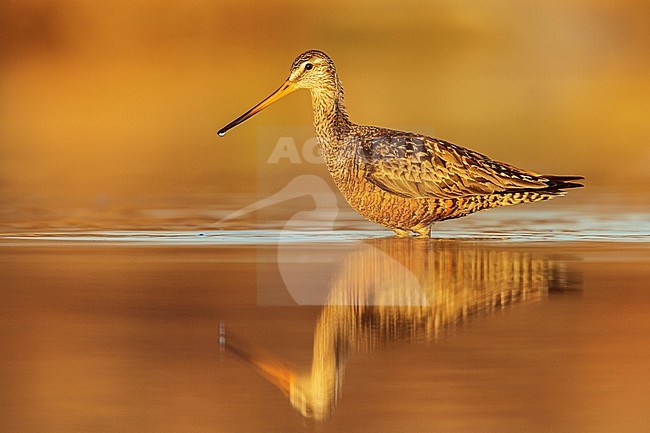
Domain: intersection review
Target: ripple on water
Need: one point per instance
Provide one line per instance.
(505, 226)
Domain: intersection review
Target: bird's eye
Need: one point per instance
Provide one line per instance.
(308, 66)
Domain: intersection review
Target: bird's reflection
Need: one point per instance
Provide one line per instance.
(403, 290)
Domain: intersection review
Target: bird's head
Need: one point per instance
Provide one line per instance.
(312, 70)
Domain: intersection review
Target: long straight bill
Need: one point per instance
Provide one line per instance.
(283, 91)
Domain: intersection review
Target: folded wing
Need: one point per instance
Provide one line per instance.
(417, 166)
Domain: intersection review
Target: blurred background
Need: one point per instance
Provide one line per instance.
(109, 107)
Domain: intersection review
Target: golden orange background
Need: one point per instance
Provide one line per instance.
(106, 103)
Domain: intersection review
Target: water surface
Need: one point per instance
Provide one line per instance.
(543, 327)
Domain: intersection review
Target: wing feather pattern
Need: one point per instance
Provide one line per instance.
(417, 166)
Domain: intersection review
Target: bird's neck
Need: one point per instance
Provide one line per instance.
(331, 121)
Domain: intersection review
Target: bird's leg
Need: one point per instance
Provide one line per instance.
(423, 232)
(401, 233)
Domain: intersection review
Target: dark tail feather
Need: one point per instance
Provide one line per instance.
(555, 185)
(563, 178)
(562, 182)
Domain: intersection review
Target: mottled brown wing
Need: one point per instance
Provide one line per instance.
(415, 166)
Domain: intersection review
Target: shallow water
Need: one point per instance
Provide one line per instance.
(511, 322)
(579, 223)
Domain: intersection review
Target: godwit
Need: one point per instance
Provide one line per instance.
(403, 180)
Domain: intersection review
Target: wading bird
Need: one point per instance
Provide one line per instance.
(402, 180)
